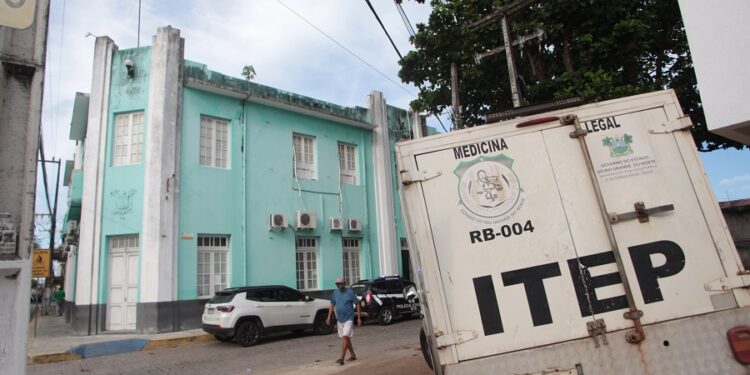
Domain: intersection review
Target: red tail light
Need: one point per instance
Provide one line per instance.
(368, 297)
(226, 308)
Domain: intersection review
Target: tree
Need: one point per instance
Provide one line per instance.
(596, 50)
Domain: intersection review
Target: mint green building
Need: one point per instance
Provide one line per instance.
(187, 181)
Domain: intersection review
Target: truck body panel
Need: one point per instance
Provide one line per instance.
(539, 237)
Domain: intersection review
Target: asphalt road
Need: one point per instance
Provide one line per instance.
(390, 349)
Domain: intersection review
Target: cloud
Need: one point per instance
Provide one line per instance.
(740, 179)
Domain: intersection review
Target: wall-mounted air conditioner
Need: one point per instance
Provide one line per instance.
(277, 221)
(336, 223)
(306, 220)
(355, 225)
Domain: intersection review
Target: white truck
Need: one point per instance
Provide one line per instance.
(584, 240)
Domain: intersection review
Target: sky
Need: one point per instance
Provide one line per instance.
(286, 52)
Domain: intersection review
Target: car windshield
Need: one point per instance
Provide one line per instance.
(359, 288)
(221, 298)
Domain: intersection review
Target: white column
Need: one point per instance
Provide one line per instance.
(160, 207)
(89, 242)
(382, 164)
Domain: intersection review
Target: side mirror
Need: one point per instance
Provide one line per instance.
(308, 299)
(410, 293)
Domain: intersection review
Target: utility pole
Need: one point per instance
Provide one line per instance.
(52, 208)
(23, 41)
(502, 14)
(457, 120)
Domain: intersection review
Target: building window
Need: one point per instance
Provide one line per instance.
(307, 263)
(128, 138)
(212, 264)
(304, 157)
(348, 163)
(214, 142)
(351, 259)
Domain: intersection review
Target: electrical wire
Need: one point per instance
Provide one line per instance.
(401, 57)
(344, 47)
(405, 18)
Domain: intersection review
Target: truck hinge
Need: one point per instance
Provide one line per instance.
(598, 328)
(681, 123)
(741, 280)
(458, 337)
(641, 213)
(408, 179)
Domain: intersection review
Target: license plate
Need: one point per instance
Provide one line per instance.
(211, 310)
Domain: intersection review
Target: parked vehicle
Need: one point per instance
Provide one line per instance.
(383, 298)
(244, 314)
(579, 240)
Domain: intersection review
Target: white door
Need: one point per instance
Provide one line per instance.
(123, 283)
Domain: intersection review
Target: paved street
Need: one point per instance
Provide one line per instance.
(380, 349)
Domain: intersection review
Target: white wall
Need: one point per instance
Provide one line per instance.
(719, 36)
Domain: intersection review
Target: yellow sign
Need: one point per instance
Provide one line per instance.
(18, 14)
(40, 259)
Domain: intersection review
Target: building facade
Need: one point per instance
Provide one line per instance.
(187, 181)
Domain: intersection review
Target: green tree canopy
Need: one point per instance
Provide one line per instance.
(593, 49)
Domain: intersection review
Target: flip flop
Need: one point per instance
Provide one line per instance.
(352, 358)
(340, 361)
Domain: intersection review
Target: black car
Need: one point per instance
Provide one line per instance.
(383, 298)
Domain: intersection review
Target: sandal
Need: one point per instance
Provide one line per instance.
(340, 361)
(353, 358)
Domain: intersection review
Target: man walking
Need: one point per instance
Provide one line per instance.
(59, 297)
(344, 300)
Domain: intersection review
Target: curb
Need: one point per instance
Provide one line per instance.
(115, 347)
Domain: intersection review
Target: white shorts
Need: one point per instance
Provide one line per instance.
(346, 328)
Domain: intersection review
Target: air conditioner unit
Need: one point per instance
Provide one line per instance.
(72, 226)
(336, 223)
(355, 225)
(306, 220)
(277, 221)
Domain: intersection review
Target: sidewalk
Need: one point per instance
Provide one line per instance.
(56, 342)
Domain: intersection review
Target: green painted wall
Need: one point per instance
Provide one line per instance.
(125, 95)
(211, 199)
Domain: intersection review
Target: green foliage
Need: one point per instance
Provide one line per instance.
(593, 49)
(248, 71)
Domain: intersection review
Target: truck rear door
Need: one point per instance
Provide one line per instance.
(515, 251)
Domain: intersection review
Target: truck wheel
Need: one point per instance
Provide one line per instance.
(223, 338)
(426, 353)
(319, 324)
(248, 333)
(386, 315)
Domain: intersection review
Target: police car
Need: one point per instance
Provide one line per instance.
(383, 298)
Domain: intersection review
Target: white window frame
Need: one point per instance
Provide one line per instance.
(127, 147)
(304, 156)
(351, 257)
(213, 149)
(306, 261)
(348, 163)
(212, 254)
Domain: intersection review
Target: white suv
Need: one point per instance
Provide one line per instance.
(244, 314)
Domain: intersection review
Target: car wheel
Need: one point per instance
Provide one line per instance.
(425, 346)
(223, 338)
(319, 325)
(248, 333)
(386, 315)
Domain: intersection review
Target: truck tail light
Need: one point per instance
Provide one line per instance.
(226, 308)
(368, 297)
(739, 342)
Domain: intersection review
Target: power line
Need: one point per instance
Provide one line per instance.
(384, 30)
(405, 18)
(401, 58)
(344, 47)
